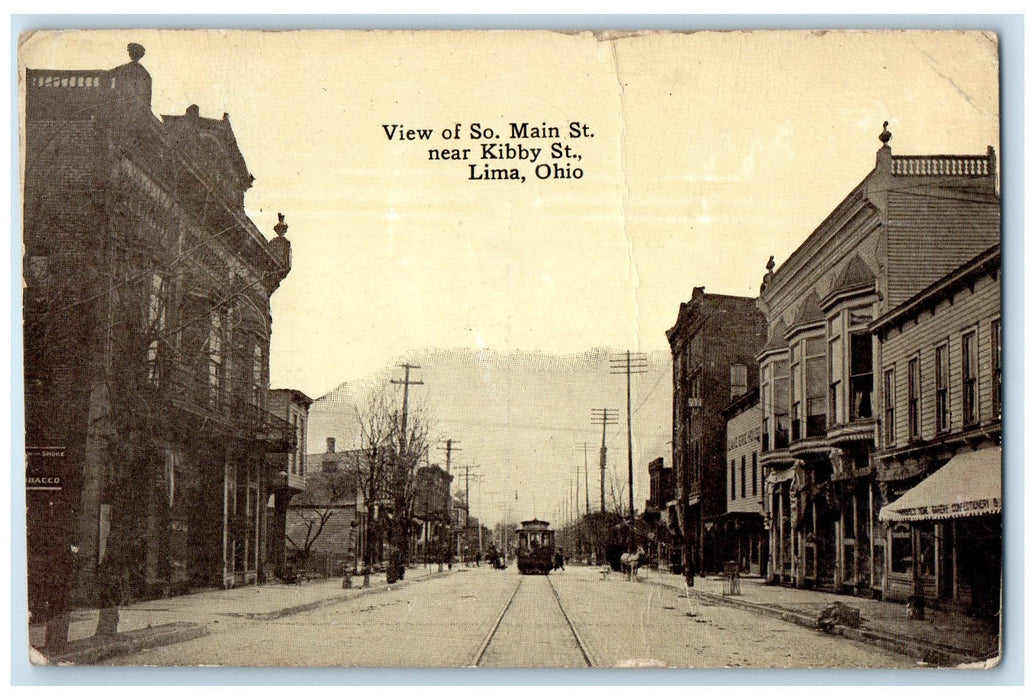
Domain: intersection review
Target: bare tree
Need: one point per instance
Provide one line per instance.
(326, 494)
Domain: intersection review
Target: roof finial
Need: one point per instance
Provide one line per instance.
(281, 228)
(885, 135)
(136, 52)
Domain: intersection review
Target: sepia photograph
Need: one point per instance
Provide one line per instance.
(512, 348)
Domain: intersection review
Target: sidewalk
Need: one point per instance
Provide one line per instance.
(153, 623)
(944, 638)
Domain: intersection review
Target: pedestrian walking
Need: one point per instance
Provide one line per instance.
(558, 559)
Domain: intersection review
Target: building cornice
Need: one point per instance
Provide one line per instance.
(986, 263)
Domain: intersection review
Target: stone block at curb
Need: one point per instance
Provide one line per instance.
(93, 650)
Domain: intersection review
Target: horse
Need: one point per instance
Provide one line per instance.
(631, 562)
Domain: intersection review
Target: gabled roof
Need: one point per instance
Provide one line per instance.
(809, 311)
(855, 274)
(777, 341)
(854, 278)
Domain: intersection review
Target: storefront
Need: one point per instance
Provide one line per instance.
(945, 534)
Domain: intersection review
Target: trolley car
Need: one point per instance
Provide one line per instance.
(535, 547)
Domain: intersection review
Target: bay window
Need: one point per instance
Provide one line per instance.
(836, 380)
(815, 387)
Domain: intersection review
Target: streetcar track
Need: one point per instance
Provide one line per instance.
(578, 639)
(579, 643)
(492, 632)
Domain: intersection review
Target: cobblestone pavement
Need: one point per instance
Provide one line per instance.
(442, 622)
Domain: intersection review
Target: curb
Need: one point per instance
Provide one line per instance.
(928, 652)
(92, 650)
(338, 598)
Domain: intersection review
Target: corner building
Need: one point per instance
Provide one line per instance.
(147, 331)
(911, 221)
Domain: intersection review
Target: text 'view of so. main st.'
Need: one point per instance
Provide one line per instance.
(829, 494)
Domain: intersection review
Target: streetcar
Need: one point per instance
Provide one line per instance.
(535, 547)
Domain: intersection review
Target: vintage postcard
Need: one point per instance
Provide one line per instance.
(512, 348)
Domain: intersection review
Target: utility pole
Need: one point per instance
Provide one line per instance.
(400, 531)
(467, 495)
(632, 363)
(602, 417)
(450, 449)
(406, 382)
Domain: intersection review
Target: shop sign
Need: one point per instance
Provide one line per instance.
(40, 473)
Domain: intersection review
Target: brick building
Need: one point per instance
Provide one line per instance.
(147, 332)
(714, 342)
(938, 454)
(325, 522)
(911, 221)
(660, 510)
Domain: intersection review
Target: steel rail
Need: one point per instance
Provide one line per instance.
(590, 662)
(496, 625)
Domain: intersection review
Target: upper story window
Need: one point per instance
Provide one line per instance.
(258, 375)
(754, 473)
(796, 397)
(300, 445)
(215, 358)
(913, 397)
(941, 388)
(738, 380)
(743, 476)
(815, 387)
(997, 370)
(861, 375)
(294, 451)
(835, 353)
(969, 359)
(775, 401)
(733, 479)
(889, 407)
(156, 312)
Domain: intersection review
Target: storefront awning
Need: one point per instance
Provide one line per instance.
(969, 484)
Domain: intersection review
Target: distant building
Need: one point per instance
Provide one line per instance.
(910, 222)
(742, 535)
(324, 523)
(431, 513)
(660, 510)
(714, 342)
(938, 457)
(147, 333)
(288, 475)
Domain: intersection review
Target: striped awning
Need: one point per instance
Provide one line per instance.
(969, 484)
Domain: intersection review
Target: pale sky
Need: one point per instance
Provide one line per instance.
(710, 152)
